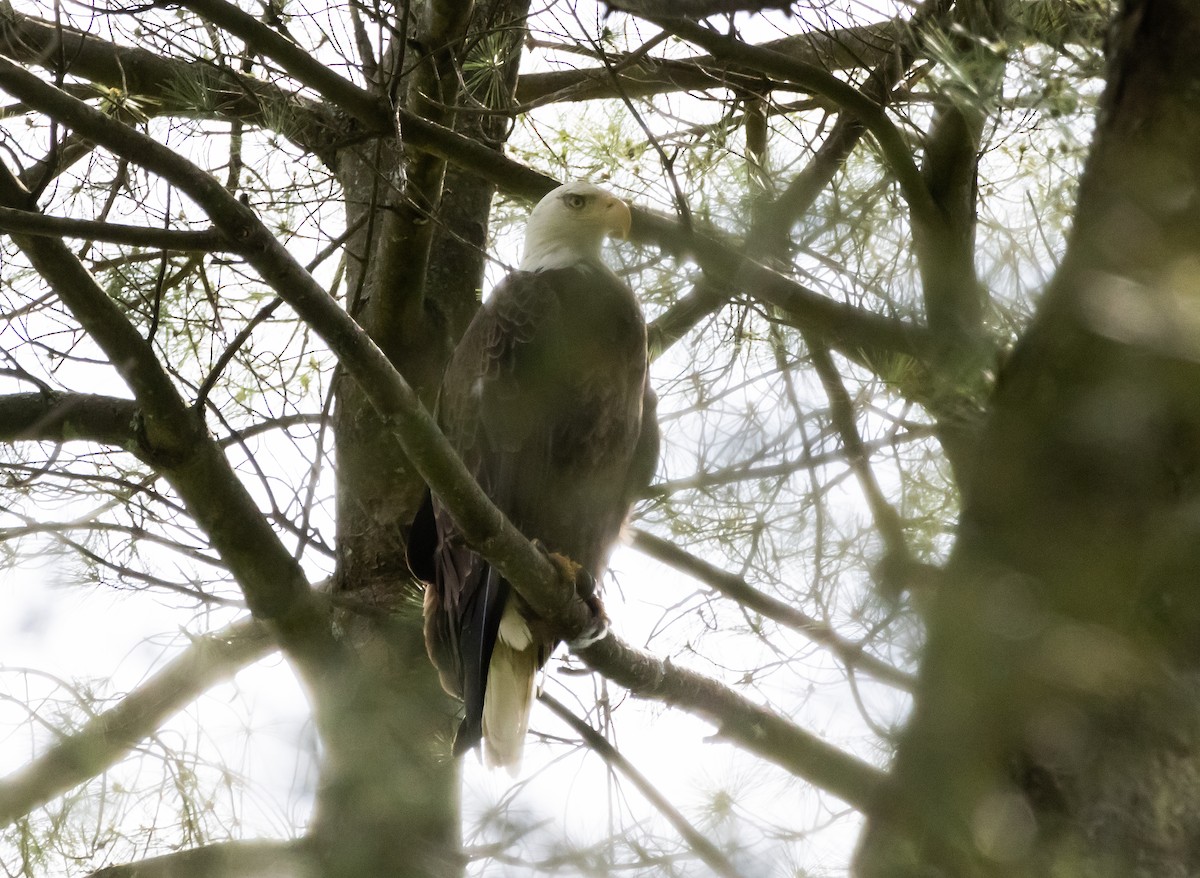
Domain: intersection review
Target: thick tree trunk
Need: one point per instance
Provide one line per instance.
(389, 798)
(1057, 723)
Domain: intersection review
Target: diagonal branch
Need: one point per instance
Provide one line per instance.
(751, 726)
(167, 81)
(109, 736)
(736, 588)
(222, 859)
(1051, 22)
(844, 419)
(847, 48)
(705, 849)
(174, 439)
(297, 62)
(820, 81)
(770, 231)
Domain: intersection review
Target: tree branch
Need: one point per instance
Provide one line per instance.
(820, 81)
(140, 72)
(705, 849)
(108, 737)
(165, 420)
(852, 47)
(755, 728)
(223, 859)
(174, 439)
(697, 8)
(1052, 22)
(297, 62)
(31, 223)
(737, 589)
(845, 420)
(728, 475)
(61, 417)
(770, 232)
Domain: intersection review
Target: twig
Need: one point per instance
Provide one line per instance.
(736, 588)
(705, 849)
(106, 739)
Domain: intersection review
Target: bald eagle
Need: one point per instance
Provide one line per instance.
(547, 400)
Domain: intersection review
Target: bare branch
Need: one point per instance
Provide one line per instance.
(296, 61)
(705, 849)
(844, 327)
(107, 738)
(140, 72)
(714, 476)
(1048, 21)
(60, 417)
(749, 725)
(695, 8)
(842, 414)
(165, 418)
(820, 81)
(31, 223)
(225, 859)
(772, 223)
(736, 588)
(853, 47)
(174, 438)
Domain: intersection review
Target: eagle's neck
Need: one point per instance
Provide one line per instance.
(559, 257)
(550, 247)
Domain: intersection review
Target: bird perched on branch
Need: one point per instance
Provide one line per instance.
(547, 400)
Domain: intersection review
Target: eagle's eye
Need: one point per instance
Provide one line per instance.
(575, 202)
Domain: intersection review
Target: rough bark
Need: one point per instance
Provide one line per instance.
(415, 272)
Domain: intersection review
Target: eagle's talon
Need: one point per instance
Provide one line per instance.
(569, 571)
(585, 587)
(597, 630)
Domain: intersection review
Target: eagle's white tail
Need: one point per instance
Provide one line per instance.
(509, 694)
(506, 705)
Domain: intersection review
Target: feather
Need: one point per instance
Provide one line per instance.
(509, 694)
(480, 622)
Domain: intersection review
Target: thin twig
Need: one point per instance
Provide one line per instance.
(712, 856)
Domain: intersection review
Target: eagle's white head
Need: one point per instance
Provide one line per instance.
(568, 226)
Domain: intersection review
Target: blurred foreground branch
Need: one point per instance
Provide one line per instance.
(107, 738)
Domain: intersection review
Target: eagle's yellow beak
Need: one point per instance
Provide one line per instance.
(617, 217)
